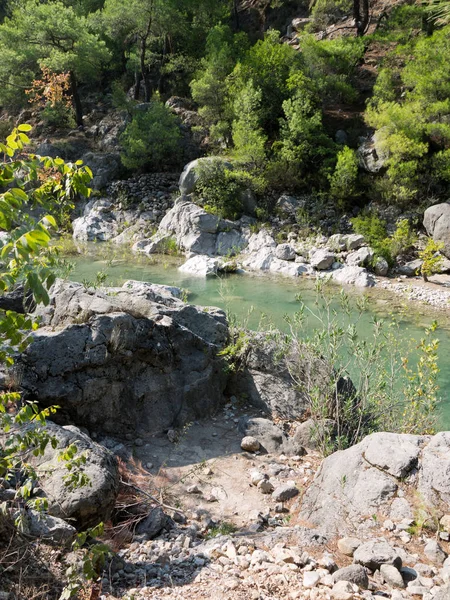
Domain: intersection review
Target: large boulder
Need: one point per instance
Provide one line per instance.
(354, 484)
(436, 221)
(86, 505)
(372, 154)
(105, 167)
(98, 223)
(200, 266)
(351, 275)
(199, 232)
(127, 360)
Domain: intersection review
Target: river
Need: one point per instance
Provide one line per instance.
(250, 297)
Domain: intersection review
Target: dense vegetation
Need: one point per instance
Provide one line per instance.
(269, 107)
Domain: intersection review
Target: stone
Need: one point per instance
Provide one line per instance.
(342, 590)
(371, 153)
(392, 576)
(445, 523)
(381, 267)
(348, 487)
(348, 545)
(50, 529)
(375, 553)
(321, 259)
(285, 252)
(434, 480)
(400, 509)
(379, 453)
(271, 438)
(154, 523)
(86, 505)
(360, 258)
(98, 223)
(434, 552)
(350, 275)
(250, 444)
(289, 204)
(105, 167)
(436, 220)
(200, 266)
(285, 492)
(411, 268)
(310, 433)
(310, 579)
(137, 351)
(256, 477)
(265, 486)
(356, 574)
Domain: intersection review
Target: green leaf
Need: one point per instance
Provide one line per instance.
(24, 127)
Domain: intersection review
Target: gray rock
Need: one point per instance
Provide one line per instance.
(250, 444)
(341, 137)
(434, 475)
(395, 454)
(360, 258)
(434, 552)
(269, 436)
(265, 486)
(392, 576)
(381, 267)
(199, 232)
(442, 593)
(105, 167)
(155, 522)
(289, 204)
(348, 545)
(285, 252)
(285, 492)
(436, 221)
(310, 433)
(372, 155)
(200, 266)
(119, 352)
(400, 509)
(375, 553)
(357, 276)
(356, 574)
(410, 268)
(321, 259)
(89, 504)
(48, 528)
(348, 487)
(99, 222)
(352, 241)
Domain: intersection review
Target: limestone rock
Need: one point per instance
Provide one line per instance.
(250, 444)
(200, 266)
(392, 576)
(375, 553)
(285, 252)
(51, 529)
(321, 259)
(434, 552)
(348, 545)
(356, 574)
(88, 504)
(436, 221)
(285, 492)
(360, 258)
(357, 276)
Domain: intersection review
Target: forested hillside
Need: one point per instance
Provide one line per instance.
(289, 105)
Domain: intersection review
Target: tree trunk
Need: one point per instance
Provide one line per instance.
(361, 16)
(76, 100)
(424, 277)
(137, 84)
(237, 24)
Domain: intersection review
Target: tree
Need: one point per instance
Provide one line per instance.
(151, 138)
(431, 258)
(248, 137)
(51, 35)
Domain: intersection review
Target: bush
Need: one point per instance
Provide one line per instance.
(343, 180)
(219, 188)
(151, 139)
(375, 233)
(432, 260)
(364, 384)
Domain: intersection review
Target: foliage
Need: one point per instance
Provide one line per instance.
(343, 180)
(375, 234)
(220, 188)
(51, 185)
(152, 138)
(403, 238)
(52, 95)
(393, 389)
(431, 258)
(410, 110)
(248, 137)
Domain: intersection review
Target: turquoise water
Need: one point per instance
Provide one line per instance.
(253, 297)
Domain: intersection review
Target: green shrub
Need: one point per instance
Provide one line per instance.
(343, 180)
(151, 139)
(431, 258)
(403, 238)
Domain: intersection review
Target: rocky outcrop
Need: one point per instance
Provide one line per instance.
(189, 176)
(105, 167)
(371, 154)
(131, 359)
(199, 232)
(88, 504)
(379, 475)
(436, 221)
